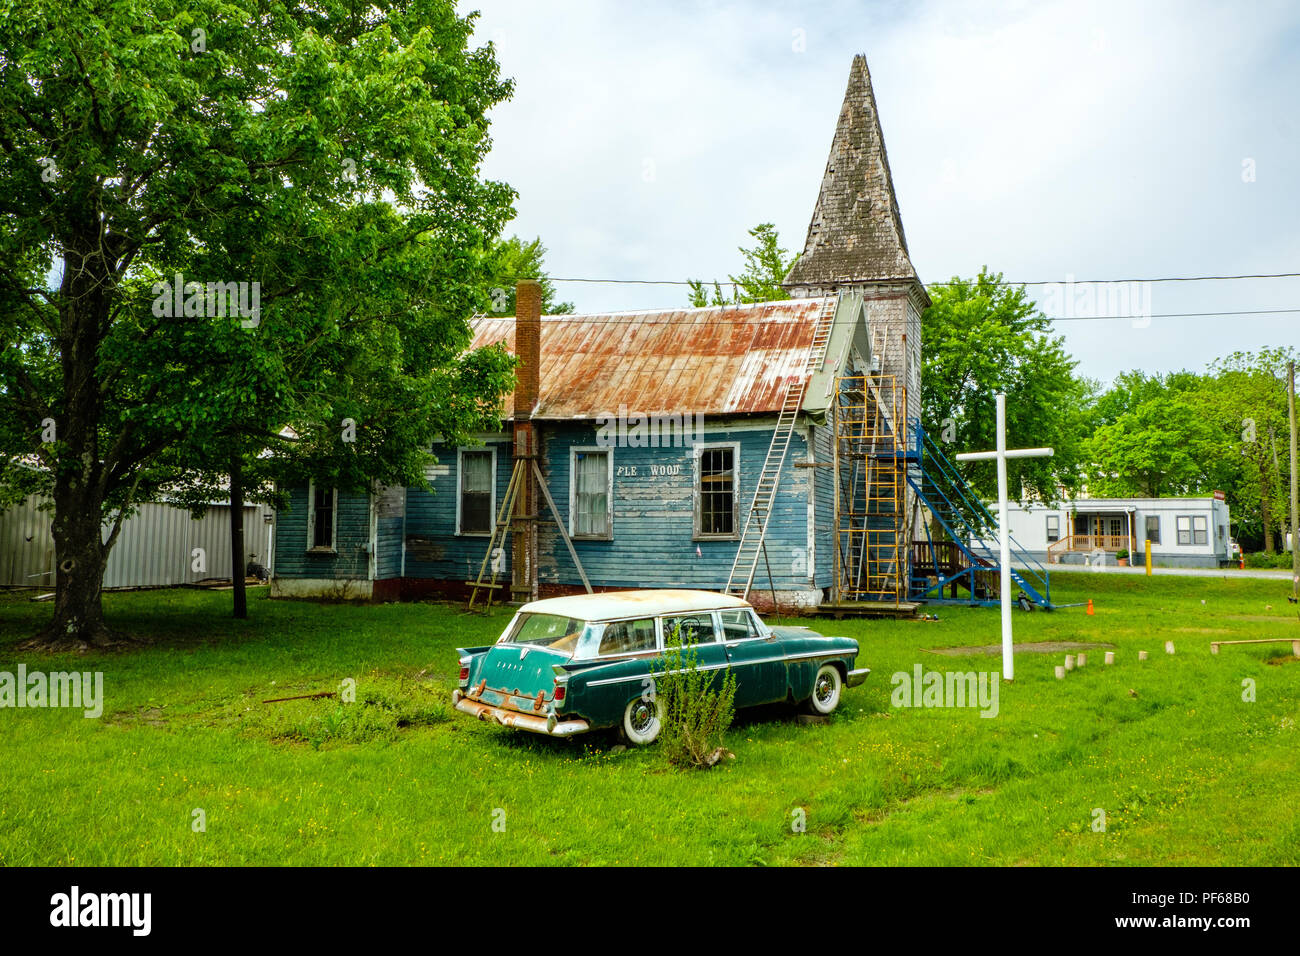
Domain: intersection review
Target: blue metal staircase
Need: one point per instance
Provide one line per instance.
(965, 561)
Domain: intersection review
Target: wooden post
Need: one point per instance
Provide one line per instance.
(1142, 655)
(239, 593)
(1110, 657)
(1295, 488)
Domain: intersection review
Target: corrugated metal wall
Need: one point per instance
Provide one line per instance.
(156, 546)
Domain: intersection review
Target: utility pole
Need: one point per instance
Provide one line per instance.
(1295, 487)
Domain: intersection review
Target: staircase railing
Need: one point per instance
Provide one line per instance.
(968, 522)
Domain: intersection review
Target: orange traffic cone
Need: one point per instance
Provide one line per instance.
(1090, 610)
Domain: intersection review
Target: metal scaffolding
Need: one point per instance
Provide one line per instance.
(872, 517)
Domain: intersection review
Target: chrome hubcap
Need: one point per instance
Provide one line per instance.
(642, 718)
(825, 688)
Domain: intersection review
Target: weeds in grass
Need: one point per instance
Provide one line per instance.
(697, 706)
(380, 710)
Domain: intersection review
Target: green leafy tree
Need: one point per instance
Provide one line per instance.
(982, 337)
(1156, 449)
(326, 156)
(509, 261)
(1186, 433)
(766, 266)
(1245, 399)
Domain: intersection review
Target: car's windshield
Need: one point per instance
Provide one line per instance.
(546, 630)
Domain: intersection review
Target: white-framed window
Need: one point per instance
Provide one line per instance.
(717, 490)
(476, 490)
(591, 493)
(1153, 528)
(1193, 529)
(322, 517)
(1053, 528)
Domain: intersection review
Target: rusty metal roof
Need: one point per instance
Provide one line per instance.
(724, 360)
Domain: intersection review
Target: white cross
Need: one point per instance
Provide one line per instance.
(1004, 536)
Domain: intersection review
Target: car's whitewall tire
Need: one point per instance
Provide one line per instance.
(642, 721)
(827, 687)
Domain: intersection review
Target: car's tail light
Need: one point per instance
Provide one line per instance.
(559, 693)
(464, 672)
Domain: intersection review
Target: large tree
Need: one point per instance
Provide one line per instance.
(154, 155)
(1150, 439)
(981, 337)
(1184, 433)
(1245, 398)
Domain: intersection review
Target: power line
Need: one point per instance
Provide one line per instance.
(1169, 315)
(632, 317)
(1069, 281)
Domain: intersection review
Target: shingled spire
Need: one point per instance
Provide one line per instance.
(856, 234)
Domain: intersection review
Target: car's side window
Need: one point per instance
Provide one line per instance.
(739, 625)
(690, 628)
(628, 637)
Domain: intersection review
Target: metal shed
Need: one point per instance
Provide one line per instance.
(155, 548)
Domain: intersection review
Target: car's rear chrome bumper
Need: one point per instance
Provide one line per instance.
(534, 723)
(858, 676)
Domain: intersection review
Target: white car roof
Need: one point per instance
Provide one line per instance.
(611, 605)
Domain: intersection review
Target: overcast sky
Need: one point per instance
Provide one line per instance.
(1046, 140)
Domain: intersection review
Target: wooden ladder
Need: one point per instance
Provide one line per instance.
(753, 538)
(502, 528)
(499, 531)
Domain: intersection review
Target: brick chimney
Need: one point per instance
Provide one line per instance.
(528, 345)
(523, 528)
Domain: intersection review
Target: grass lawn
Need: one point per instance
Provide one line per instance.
(1184, 769)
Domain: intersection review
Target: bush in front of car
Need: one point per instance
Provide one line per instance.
(697, 706)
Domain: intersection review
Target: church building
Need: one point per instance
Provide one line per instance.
(771, 450)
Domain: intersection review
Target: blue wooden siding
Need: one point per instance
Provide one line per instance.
(653, 544)
(824, 493)
(434, 550)
(653, 519)
(389, 528)
(349, 560)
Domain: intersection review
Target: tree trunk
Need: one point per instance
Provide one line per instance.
(237, 536)
(79, 571)
(80, 554)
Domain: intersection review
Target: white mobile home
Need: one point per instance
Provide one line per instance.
(1184, 532)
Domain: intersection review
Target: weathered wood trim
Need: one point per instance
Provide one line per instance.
(696, 451)
(492, 483)
(811, 492)
(311, 521)
(608, 451)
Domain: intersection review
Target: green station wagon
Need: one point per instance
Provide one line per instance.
(570, 665)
